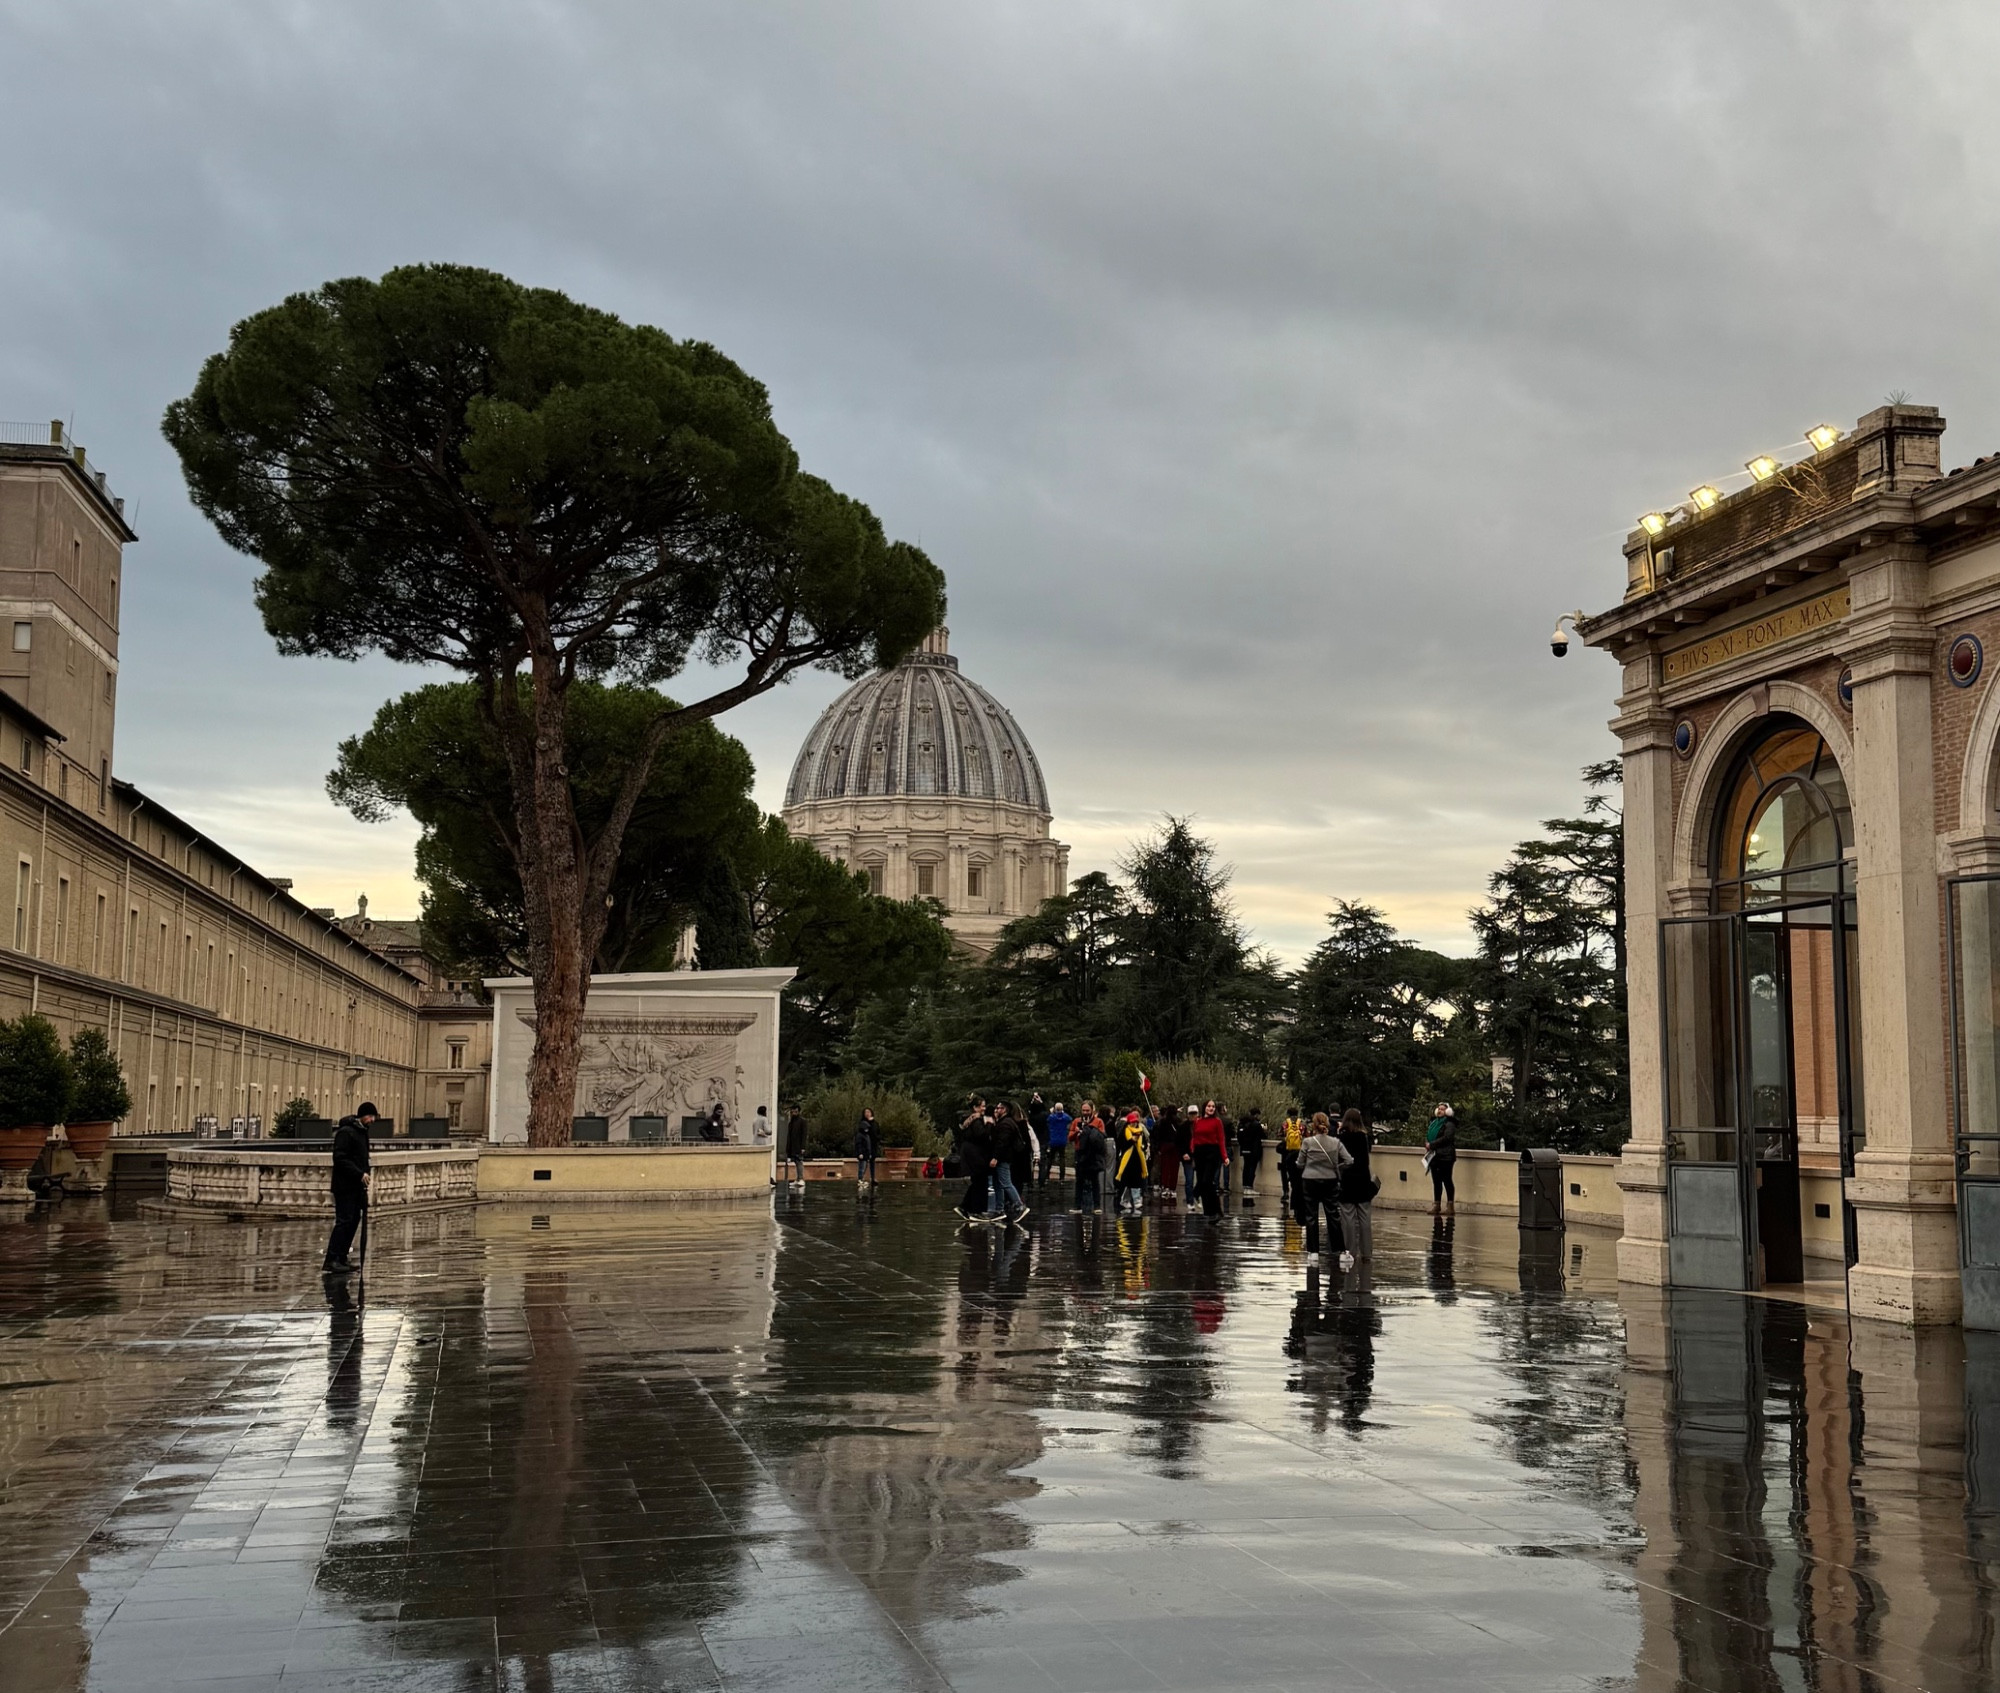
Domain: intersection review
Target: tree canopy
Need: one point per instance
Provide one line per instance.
(450, 468)
(433, 753)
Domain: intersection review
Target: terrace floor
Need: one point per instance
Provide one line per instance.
(828, 1444)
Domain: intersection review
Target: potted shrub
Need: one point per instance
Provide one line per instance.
(35, 1087)
(293, 1115)
(101, 1094)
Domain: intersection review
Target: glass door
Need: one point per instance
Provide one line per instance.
(1710, 1225)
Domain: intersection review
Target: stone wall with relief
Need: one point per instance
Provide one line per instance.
(670, 1045)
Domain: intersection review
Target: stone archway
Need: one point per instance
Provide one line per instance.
(1715, 761)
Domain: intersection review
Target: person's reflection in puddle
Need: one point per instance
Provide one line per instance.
(1335, 1347)
(343, 1354)
(1438, 1266)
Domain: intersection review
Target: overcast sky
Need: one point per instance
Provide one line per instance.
(1264, 377)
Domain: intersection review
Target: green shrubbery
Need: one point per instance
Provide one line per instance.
(1191, 1081)
(834, 1107)
(101, 1093)
(294, 1112)
(37, 1081)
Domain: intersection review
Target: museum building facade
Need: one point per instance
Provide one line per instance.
(222, 994)
(1811, 745)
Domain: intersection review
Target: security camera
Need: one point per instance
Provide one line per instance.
(1559, 641)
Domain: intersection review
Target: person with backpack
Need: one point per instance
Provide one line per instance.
(1288, 1159)
(1321, 1160)
(1358, 1188)
(1093, 1153)
(1055, 1143)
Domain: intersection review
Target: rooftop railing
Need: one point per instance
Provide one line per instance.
(56, 434)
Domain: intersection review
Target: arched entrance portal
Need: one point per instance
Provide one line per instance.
(1761, 1060)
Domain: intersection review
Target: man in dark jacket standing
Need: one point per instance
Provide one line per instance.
(350, 1187)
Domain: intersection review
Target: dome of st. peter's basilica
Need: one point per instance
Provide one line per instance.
(922, 779)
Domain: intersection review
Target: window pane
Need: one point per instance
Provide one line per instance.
(1975, 910)
(1700, 1055)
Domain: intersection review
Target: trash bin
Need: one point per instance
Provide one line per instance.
(1541, 1188)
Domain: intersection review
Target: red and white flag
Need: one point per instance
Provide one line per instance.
(1145, 1082)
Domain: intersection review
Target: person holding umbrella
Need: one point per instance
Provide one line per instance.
(350, 1188)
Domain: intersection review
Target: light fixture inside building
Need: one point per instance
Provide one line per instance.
(1822, 436)
(1654, 522)
(1762, 468)
(1704, 498)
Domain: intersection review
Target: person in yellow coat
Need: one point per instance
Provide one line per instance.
(1134, 1149)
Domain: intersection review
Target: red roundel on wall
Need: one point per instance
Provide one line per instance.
(1965, 660)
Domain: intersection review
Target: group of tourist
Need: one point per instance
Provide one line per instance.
(1169, 1157)
(1187, 1156)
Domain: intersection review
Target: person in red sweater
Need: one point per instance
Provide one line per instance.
(1211, 1152)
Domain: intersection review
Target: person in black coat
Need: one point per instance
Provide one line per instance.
(350, 1187)
(974, 1151)
(1008, 1154)
(1250, 1142)
(867, 1142)
(795, 1144)
(1357, 1187)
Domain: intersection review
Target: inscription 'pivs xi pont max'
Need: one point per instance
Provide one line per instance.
(1770, 630)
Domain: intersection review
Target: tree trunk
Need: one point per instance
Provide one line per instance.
(552, 887)
(565, 881)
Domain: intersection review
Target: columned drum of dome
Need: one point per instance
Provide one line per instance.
(921, 779)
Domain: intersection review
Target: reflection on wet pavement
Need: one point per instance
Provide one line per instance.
(849, 1446)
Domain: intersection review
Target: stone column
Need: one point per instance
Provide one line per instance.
(954, 889)
(896, 872)
(1902, 1188)
(1644, 728)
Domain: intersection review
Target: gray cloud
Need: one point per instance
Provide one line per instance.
(1266, 377)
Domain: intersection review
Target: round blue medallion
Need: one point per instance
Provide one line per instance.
(1684, 738)
(1965, 660)
(1845, 689)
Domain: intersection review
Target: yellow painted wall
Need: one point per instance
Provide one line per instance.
(615, 1173)
(1489, 1185)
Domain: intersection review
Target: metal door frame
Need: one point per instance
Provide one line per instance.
(1727, 925)
(1836, 905)
(1979, 1277)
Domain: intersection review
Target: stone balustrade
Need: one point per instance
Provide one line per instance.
(260, 1181)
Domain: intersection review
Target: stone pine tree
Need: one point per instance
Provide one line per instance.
(431, 753)
(449, 468)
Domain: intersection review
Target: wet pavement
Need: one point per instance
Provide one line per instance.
(855, 1447)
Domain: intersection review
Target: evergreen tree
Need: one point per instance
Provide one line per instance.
(1366, 1003)
(1189, 957)
(1550, 982)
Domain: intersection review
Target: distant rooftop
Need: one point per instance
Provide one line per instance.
(52, 443)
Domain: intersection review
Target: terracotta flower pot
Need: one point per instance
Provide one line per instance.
(898, 1154)
(88, 1140)
(21, 1145)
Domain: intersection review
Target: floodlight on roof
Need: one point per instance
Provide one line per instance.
(1821, 436)
(1762, 468)
(1654, 522)
(1705, 498)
